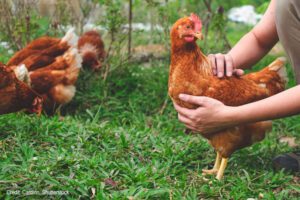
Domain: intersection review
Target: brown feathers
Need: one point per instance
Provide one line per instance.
(191, 73)
(53, 66)
(15, 94)
(91, 48)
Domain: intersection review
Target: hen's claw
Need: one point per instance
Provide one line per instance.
(209, 171)
(216, 167)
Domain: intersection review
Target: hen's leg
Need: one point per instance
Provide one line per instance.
(222, 168)
(216, 167)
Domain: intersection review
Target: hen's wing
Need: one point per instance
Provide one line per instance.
(252, 87)
(44, 49)
(64, 70)
(43, 43)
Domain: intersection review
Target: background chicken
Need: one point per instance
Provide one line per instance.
(190, 73)
(91, 48)
(53, 66)
(15, 92)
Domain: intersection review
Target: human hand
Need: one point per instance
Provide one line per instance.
(222, 65)
(211, 115)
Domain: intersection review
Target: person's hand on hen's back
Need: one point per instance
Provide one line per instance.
(223, 65)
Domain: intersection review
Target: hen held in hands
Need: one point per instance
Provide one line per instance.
(191, 73)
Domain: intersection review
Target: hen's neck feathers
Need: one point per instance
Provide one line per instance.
(88, 48)
(192, 56)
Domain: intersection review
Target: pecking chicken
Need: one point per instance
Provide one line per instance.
(15, 93)
(53, 66)
(91, 48)
(191, 73)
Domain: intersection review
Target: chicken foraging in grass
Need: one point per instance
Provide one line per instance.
(91, 48)
(191, 73)
(53, 66)
(15, 92)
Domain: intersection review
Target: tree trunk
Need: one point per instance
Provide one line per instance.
(130, 28)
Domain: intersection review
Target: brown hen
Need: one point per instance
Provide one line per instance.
(53, 66)
(15, 93)
(191, 73)
(91, 48)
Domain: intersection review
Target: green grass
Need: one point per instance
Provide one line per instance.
(113, 131)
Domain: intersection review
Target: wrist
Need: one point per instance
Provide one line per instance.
(232, 116)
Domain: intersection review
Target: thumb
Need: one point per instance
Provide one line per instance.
(197, 100)
(238, 72)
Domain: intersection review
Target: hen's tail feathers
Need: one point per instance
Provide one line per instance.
(279, 66)
(259, 129)
(73, 57)
(71, 38)
(22, 74)
(63, 94)
(74, 60)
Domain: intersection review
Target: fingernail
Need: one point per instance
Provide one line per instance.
(229, 73)
(220, 74)
(182, 97)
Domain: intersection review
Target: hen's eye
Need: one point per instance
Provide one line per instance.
(188, 27)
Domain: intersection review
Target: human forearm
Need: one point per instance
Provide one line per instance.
(212, 115)
(245, 59)
(284, 104)
(258, 42)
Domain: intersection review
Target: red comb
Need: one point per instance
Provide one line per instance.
(197, 22)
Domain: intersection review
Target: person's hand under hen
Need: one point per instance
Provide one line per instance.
(210, 116)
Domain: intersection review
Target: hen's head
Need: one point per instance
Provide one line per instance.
(90, 60)
(187, 30)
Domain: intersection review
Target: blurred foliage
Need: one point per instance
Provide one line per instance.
(234, 3)
(20, 24)
(115, 13)
(262, 8)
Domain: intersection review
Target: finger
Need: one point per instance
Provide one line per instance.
(212, 59)
(229, 65)
(238, 72)
(194, 129)
(185, 120)
(220, 65)
(183, 111)
(197, 100)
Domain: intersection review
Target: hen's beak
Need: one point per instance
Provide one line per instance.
(199, 35)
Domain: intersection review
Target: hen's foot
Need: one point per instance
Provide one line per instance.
(222, 168)
(209, 171)
(216, 167)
